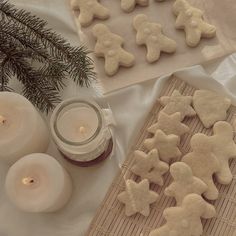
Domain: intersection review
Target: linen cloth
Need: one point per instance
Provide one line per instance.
(130, 107)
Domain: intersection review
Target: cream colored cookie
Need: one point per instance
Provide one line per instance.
(184, 182)
(167, 145)
(109, 46)
(137, 197)
(88, 10)
(203, 163)
(149, 166)
(185, 220)
(169, 124)
(177, 103)
(190, 19)
(129, 5)
(150, 34)
(210, 106)
(224, 149)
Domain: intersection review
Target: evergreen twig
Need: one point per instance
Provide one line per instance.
(38, 57)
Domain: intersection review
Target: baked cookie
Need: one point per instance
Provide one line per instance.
(185, 220)
(184, 182)
(167, 145)
(149, 166)
(203, 163)
(150, 34)
(210, 106)
(129, 5)
(169, 124)
(88, 10)
(137, 197)
(190, 19)
(224, 149)
(109, 46)
(177, 103)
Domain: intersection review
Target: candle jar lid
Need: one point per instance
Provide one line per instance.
(79, 150)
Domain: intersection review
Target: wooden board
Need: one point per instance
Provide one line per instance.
(110, 219)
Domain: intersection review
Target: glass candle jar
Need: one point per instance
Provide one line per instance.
(81, 132)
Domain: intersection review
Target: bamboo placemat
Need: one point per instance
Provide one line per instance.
(110, 219)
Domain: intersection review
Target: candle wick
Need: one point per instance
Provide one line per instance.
(2, 120)
(28, 181)
(82, 129)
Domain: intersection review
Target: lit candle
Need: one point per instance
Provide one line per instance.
(38, 183)
(78, 124)
(22, 129)
(81, 132)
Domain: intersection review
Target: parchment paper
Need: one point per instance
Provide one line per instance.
(217, 12)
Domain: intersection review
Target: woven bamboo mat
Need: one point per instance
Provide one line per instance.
(110, 219)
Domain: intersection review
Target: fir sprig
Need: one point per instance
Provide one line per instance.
(38, 57)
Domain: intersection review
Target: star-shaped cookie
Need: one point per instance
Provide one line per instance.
(167, 145)
(178, 103)
(169, 124)
(149, 166)
(224, 149)
(137, 197)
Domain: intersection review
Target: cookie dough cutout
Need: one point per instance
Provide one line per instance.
(224, 149)
(185, 220)
(149, 166)
(210, 106)
(184, 183)
(169, 124)
(203, 163)
(88, 10)
(109, 46)
(137, 197)
(190, 19)
(151, 35)
(178, 103)
(129, 5)
(167, 145)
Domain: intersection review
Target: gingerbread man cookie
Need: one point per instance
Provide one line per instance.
(203, 163)
(224, 149)
(129, 5)
(151, 35)
(149, 166)
(178, 103)
(109, 46)
(210, 106)
(137, 197)
(184, 182)
(191, 20)
(89, 9)
(169, 124)
(185, 220)
(167, 145)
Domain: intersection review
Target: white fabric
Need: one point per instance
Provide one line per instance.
(130, 107)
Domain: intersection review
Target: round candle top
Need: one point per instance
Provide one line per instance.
(15, 116)
(21, 126)
(78, 124)
(38, 183)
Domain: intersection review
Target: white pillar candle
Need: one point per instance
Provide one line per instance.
(22, 129)
(81, 131)
(38, 183)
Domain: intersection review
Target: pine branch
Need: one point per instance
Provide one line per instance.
(76, 57)
(38, 57)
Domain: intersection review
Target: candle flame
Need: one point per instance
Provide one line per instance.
(82, 130)
(2, 119)
(28, 181)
